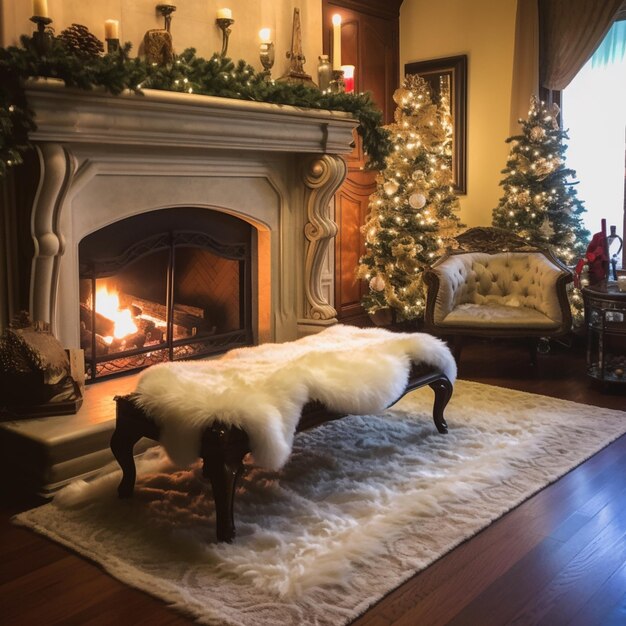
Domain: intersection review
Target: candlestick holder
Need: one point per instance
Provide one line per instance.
(337, 84)
(267, 57)
(113, 46)
(225, 24)
(166, 11)
(296, 74)
(41, 39)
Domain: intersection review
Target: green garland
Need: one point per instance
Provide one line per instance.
(217, 76)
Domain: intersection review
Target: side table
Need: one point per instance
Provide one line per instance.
(605, 318)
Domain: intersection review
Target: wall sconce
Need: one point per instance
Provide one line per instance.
(266, 51)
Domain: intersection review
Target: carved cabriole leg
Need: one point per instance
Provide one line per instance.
(322, 177)
(124, 438)
(131, 424)
(223, 450)
(443, 392)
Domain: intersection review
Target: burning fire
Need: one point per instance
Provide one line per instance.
(108, 305)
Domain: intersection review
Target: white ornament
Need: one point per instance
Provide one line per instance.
(391, 186)
(417, 200)
(377, 283)
(546, 229)
(418, 175)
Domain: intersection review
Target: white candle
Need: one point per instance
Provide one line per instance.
(111, 29)
(40, 8)
(224, 14)
(336, 41)
(265, 35)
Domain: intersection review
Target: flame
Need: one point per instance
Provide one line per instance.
(108, 304)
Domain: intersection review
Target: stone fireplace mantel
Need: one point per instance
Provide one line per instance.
(104, 158)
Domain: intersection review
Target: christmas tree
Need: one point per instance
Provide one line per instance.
(411, 219)
(540, 202)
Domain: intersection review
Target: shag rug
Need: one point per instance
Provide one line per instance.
(362, 504)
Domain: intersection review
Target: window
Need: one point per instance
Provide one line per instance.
(594, 112)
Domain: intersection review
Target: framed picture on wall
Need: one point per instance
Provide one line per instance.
(448, 77)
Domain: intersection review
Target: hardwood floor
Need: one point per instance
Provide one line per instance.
(559, 558)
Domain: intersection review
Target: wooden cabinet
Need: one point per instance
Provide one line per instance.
(370, 42)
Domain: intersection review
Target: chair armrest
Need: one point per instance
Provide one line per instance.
(441, 297)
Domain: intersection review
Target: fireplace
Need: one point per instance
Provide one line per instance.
(141, 194)
(175, 172)
(163, 286)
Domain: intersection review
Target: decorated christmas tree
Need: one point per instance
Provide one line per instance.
(540, 202)
(411, 219)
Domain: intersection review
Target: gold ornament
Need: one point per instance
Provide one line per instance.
(537, 133)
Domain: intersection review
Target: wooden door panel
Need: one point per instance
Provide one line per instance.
(351, 207)
(370, 42)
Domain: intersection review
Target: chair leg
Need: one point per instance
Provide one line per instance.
(458, 343)
(533, 343)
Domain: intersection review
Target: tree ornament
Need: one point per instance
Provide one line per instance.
(418, 175)
(391, 186)
(543, 167)
(377, 283)
(402, 96)
(417, 200)
(79, 41)
(546, 229)
(537, 133)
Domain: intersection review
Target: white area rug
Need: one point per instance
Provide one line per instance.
(363, 504)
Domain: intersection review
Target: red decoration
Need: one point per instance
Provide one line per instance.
(596, 258)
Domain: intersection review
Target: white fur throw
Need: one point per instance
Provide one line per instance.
(263, 389)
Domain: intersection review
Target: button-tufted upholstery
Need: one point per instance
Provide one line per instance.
(509, 289)
(506, 294)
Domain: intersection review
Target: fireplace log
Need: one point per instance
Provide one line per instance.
(102, 347)
(104, 326)
(185, 316)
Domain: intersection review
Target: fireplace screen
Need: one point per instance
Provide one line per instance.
(150, 292)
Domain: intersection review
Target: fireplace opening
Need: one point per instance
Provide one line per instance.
(166, 285)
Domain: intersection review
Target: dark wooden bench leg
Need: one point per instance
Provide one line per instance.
(124, 438)
(443, 392)
(223, 451)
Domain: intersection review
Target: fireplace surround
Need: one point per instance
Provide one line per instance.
(104, 159)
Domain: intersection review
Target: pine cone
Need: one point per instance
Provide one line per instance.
(79, 41)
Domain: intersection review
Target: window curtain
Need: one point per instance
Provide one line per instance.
(525, 62)
(569, 33)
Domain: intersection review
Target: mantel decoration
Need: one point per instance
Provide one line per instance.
(218, 76)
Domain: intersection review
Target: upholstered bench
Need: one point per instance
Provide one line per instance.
(224, 439)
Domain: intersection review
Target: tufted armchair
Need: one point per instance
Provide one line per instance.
(496, 285)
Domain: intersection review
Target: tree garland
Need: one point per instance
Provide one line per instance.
(217, 76)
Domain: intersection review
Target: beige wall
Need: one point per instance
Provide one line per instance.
(193, 24)
(484, 30)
